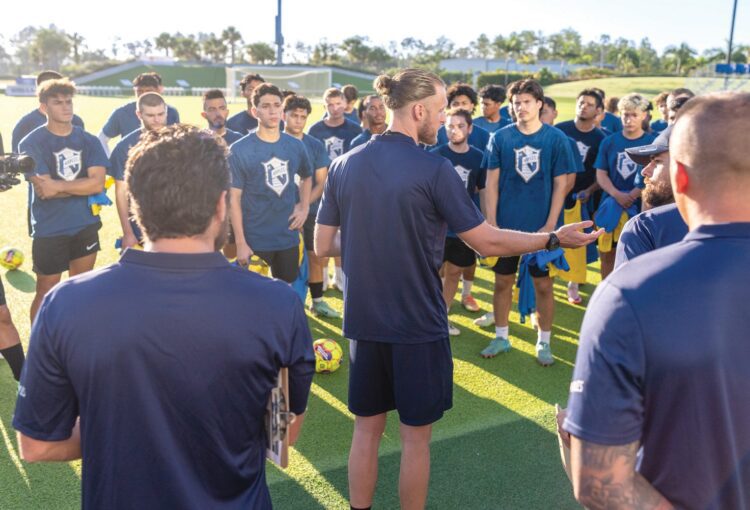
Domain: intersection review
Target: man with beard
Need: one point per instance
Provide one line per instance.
(661, 224)
(215, 112)
(373, 111)
(214, 370)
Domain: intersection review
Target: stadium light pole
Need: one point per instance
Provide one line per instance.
(731, 41)
(280, 38)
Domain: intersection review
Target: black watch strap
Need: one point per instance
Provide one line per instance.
(553, 242)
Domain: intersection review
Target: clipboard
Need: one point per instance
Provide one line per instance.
(277, 420)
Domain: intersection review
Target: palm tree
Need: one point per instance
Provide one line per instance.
(682, 55)
(164, 41)
(232, 37)
(75, 40)
(214, 48)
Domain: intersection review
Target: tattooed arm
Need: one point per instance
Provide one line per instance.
(604, 477)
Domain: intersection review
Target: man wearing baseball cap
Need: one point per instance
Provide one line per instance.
(660, 224)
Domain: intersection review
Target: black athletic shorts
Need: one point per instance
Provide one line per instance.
(284, 263)
(414, 379)
(308, 232)
(52, 255)
(509, 265)
(458, 254)
(2, 293)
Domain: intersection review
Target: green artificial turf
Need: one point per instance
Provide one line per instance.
(495, 449)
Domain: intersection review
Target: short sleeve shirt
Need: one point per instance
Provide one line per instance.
(265, 172)
(242, 122)
(648, 231)
(587, 147)
(124, 120)
(318, 159)
(62, 158)
(172, 405)
(468, 166)
(478, 138)
(611, 122)
(392, 200)
(528, 166)
(338, 139)
(623, 171)
(30, 122)
(491, 127)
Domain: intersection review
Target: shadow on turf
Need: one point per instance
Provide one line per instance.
(507, 466)
(21, 280)
(52, 485)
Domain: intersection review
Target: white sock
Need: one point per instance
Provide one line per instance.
(573, 286)
(501, 331)
(317, 299)
(339, 275)
(466, 288)
(543, 337)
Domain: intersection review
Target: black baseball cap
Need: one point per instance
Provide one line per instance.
(642, 155)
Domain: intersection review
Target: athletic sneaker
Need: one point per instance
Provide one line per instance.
(488, 319)
(323, 309)
(544, 354)
(495, 347)
(470, 303)
(453, 330)
(573, 297)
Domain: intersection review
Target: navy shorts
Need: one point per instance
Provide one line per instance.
(308, 233)
(414, 379)
(457, 253)
(509, 265)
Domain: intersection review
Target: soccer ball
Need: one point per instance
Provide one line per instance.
(11, 258)
(328, 355)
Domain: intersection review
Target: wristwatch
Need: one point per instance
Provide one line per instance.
(553, 243)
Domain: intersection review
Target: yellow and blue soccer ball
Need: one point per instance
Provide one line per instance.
(328, 355)
(11, 258)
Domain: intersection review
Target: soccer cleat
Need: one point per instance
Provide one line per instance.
(495, 347)
(470, 303)
(488, 319)
(323, 309)
(453, 330)
(544, 354)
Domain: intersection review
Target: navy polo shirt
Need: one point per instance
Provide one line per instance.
(478, 137)
(663, 360)
(172, 405)
(265, 172)
(30, 122)
(392, 200)
(242, 122)
(124, 120)
(649, 230)
(64, 158)
(338, 139)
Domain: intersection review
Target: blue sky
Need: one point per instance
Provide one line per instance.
(700, 23)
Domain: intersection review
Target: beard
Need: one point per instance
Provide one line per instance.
(657, 193)
(223, 235)
(427, 135)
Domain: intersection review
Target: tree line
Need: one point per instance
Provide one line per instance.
(35, 48)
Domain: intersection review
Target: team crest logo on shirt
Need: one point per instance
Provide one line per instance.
(277, 175)
(583, 150)
(463, 173)
(334, 146)
(68, 163)
(625, 166)
(527, 162)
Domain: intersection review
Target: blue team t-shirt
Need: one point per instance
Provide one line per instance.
(172, 405)
(392, 200)
(478, 137)
(30, 122)
(337, 140)
(663, 359)
(658, 126)
(468, 166)
(361, 138)
(242, 122)
(63, 158)
(611, 122)
(528, 166)
(624, 173)
(649, 230)
(117, 160)
(124, 120)
(316, 151)
(491, 127)
(230, 136)
(265, 172)
(587, 147)
(505, 114)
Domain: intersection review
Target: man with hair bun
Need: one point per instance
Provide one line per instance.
(391, 201)
(619, 176)
(662, 363)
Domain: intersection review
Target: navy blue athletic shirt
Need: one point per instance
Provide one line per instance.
(337, 140)
(242, 122)
(478, 137)
(663, 360)
(468, 166)
(587, 145)
(172, 405)
(392, 200)
(361, 138)
(318, 159)
(611, 122)
(117, 160)
(230, 136)
(648, 231)
(30, 122)
(124, 120)
(63, 158)
(491, 127)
